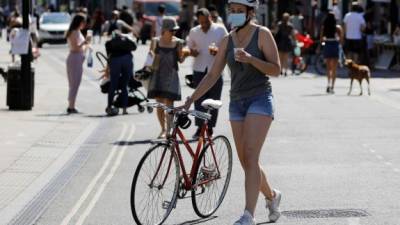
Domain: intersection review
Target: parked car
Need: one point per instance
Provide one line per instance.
(52, 27)
(149, 10)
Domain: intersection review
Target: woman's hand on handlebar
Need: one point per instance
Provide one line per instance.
(186, 105)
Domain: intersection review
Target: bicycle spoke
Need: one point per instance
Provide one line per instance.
(152, 198)
(212, 160)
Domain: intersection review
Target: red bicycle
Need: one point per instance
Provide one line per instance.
(161, 177)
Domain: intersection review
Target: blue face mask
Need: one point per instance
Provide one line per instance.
(237, 19)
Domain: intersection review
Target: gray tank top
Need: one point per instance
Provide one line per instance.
(246, 80)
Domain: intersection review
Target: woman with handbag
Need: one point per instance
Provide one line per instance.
(164, 83)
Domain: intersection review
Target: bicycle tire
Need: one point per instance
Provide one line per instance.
(320, 65)
(196, 201)
(170, 201)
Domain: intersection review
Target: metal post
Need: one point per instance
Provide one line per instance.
(25, 59)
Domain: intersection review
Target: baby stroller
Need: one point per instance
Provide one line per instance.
(135, 96)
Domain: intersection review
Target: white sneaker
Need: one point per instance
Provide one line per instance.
(273, 206)
(246, 219)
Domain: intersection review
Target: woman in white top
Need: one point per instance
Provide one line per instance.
(77, 46)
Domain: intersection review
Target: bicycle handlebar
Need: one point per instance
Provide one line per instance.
(178, 111)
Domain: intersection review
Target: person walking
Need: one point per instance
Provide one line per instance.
(127, 16)
(116, 24)
(184, 21)
(77, 47)
(164, 83)
(203, 41)
(297, 20)
(252, 56)
(354, 25)
(157, 24)
(331, 35)
(98, 21)
(215, 15)
(284, 37)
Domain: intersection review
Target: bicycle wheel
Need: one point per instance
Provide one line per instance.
(155, 186)
(211, 182)
(320, 65)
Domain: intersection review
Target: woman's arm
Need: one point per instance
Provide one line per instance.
(213, 75)
(179, 49)
(152, 46)
(339, 30)
(272, 65)
(321, 35)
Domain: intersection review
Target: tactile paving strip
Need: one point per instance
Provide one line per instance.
(39, 204)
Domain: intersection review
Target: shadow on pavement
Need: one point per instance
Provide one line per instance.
(146, 141)
(267, 222)
(396, 89)
(96, 116)
(140, 142)
(53, 115)
(316, 95)
(198, 221)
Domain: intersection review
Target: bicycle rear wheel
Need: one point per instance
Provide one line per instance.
(212, 176)
(320, 65)
(155, 186)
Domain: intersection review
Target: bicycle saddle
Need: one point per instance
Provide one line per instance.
(211, 103)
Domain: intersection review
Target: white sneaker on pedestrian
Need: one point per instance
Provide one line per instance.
(246, 219)
(273, 206)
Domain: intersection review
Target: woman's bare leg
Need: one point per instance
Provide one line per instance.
(334, 70)
(161, 115)
(249, 138)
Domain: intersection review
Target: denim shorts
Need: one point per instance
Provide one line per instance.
(262, 104)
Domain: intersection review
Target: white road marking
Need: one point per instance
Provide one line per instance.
(388, 164)
(396, 170)
(89, 189)
(371, 150)
(110, 175)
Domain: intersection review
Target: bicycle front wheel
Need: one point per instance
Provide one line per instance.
(155, 186)
(213, 173)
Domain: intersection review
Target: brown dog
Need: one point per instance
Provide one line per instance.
(358, 72)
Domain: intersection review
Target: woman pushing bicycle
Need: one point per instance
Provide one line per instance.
(251, 58)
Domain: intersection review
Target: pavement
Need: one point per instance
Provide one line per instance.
(334, 157)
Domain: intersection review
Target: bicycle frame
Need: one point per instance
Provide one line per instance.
(173, 142)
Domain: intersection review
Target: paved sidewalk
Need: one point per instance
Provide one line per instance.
(35, 145)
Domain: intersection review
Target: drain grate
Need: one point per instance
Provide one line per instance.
(325, 213)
